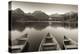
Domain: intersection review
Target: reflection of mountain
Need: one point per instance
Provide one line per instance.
(18, 18)
(57, 24)
(37, 25)
(19, 15)
(71, 19)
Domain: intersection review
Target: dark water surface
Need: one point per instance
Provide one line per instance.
(37, 30)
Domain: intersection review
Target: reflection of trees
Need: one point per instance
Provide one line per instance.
(65, 24)
(37, 25)
(41, 25)
(57, 24)
(71, 25)
(18, 26)
(18, 15)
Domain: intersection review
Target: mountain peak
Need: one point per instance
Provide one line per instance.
(18, 10)
(40, 15)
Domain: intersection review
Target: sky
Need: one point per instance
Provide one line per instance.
(45, 7)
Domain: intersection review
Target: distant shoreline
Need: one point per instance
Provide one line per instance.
(49, 21)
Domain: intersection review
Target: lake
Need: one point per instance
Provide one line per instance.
(37, 30)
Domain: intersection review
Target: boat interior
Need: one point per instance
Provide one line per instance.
(49, 43)
(69, 44)
(18, 44)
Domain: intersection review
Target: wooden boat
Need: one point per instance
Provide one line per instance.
(69, 43)
(49, 43)
(20, 45)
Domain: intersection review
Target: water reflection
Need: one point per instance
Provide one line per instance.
(37, 30)
(41, 25)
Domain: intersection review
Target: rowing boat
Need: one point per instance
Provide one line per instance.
(20, 44)
(69, 43)
(49, 43)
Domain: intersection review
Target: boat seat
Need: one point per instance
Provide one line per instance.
(48, 40)
(71, 47)
(16, 48)
(48, 37)
(21, 42)
(49, 46)
(66, 42)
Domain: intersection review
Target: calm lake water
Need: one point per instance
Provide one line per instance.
(37, 30)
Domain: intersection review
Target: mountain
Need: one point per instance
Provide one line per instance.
(69, 17)
(40, 15)
(18, 11)
(18, 14)
(56, 17)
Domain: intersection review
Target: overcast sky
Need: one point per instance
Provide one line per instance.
(45, 7)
